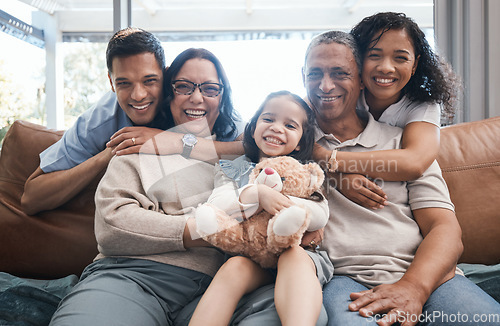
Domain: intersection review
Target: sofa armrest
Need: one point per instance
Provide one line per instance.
(50, 244)
(470, 161)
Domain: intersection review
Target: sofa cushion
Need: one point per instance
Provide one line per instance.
(470, 160)
(51, 244)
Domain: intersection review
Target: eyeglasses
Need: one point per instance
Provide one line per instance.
(186, 87)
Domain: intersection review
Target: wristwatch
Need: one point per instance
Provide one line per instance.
(333, 164)
(188, 142)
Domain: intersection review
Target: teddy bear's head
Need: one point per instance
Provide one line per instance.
(289, 176)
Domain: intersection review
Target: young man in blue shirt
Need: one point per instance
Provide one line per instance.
(119, 123)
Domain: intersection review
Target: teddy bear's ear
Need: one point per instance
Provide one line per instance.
(317, 176)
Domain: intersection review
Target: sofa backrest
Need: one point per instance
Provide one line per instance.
(50, 244)
(470, 160)
(60, 242)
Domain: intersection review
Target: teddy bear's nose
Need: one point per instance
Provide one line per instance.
(268, 171)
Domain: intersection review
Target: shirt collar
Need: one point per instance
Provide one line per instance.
(368, 138)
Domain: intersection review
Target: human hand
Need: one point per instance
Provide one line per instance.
(129, 140)
(190, 237)
(360, 190)
(271, 200)
(401, 302)
(321, 154)
(313, 238)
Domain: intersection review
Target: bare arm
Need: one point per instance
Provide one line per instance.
(44, 191)
(169, 142)
(437, 255)
(420, 146)
(434, 263)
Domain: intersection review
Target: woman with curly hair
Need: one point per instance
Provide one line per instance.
(406, 85)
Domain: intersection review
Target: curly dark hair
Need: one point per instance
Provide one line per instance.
(434, 79)
(306, 142)
(225, 124)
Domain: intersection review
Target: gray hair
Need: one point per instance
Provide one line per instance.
(338, 37)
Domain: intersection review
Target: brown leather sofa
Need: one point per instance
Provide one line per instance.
(56, 243)
(51, 244)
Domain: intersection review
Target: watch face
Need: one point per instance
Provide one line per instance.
(189, 140)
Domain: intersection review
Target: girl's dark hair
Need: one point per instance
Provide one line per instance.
(224, 125)
(434, 80)
(131, 41)
(306, 142)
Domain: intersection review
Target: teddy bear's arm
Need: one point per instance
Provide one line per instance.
(268, 199)
(319, 211)
(226, 196)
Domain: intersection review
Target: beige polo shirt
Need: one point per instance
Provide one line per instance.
(377, 246)
(406, 111)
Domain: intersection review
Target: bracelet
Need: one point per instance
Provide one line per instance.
(333, 164)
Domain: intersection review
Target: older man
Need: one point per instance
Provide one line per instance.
(399, 260)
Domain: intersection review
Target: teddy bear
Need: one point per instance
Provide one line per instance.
(262, 237)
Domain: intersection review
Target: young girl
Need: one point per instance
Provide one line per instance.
(405, 83)
(283, 125)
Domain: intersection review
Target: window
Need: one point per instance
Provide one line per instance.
(257, 62)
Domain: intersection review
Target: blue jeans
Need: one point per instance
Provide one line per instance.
(456, 302)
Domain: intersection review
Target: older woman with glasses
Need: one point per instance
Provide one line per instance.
(151, 264)
(225, 122)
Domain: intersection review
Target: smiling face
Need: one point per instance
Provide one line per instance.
(137, 81)
(279, 127)
(387, 68)
(195, 107)
(332, 81)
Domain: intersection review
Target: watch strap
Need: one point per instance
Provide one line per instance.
(188, 142)
(186, 151)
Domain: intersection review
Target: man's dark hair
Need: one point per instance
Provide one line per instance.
(131, 41)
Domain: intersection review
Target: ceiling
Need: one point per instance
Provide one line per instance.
(93, 19)
(200, 15)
